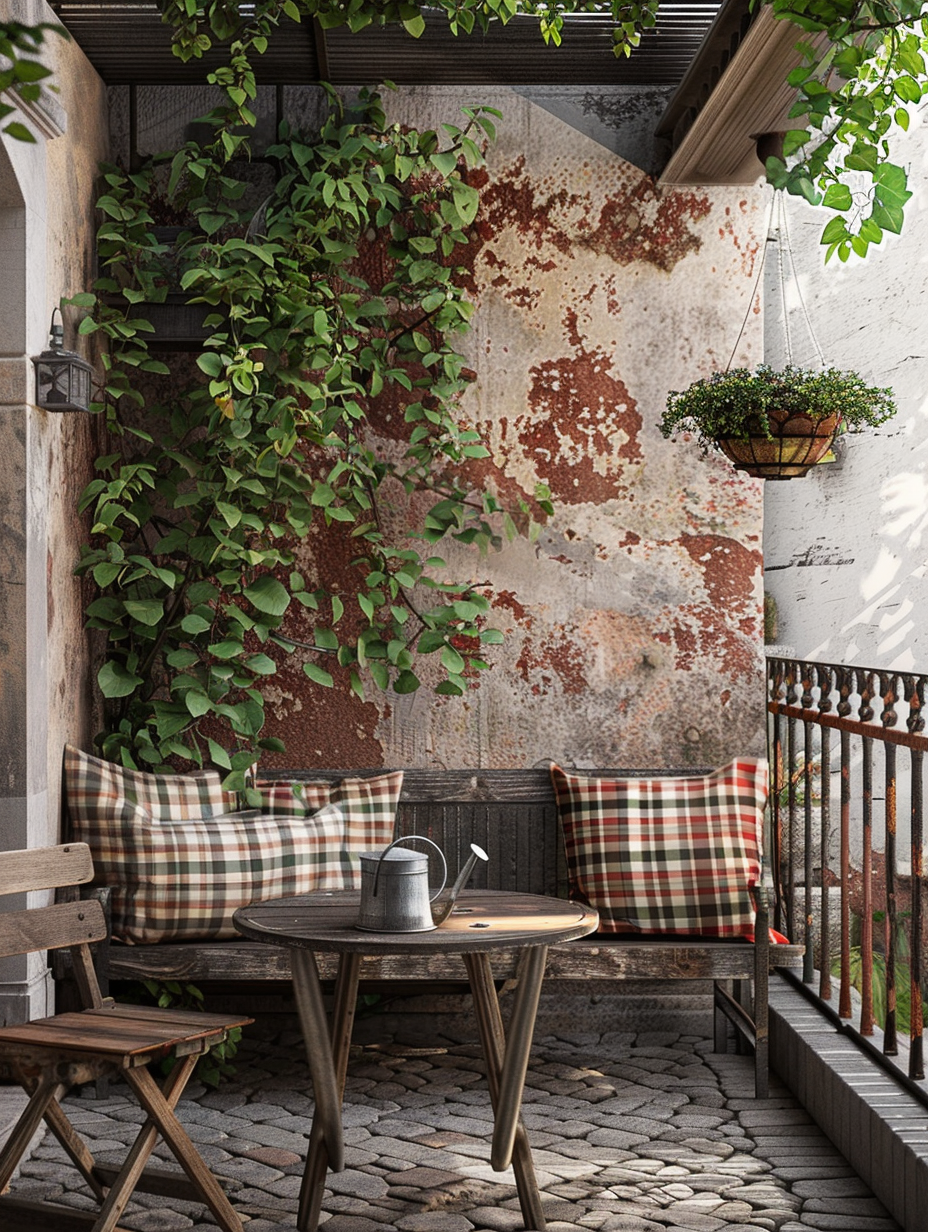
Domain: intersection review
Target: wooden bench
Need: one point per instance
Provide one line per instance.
(513, 816)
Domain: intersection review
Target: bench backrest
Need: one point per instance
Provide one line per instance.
(511, 814)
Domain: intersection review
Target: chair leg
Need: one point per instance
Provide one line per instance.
(47, 1093)
(160, 1109)
(75, 1148)
(134, 1165)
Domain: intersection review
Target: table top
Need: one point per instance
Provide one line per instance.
(481, 920)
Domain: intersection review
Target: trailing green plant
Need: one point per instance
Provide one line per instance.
(737, 403)
(333, 307)
(862, 74)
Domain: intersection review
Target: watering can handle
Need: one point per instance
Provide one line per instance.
(413, 838)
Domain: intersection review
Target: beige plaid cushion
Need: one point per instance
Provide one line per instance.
(170, 797)
(181, 878)
(666, 855)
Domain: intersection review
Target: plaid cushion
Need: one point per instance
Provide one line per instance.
(180, 879)
(284, 798)
(666, 855)
(169, 797)
(364, 800)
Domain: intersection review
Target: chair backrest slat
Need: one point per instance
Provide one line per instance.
(51, 928)
(45, 868)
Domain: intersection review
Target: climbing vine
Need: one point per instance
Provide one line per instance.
(863, 73)
(863, 70)
(332, 297)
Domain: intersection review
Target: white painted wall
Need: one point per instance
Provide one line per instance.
(846, 548)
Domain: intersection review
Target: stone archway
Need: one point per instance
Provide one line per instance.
(22, 677)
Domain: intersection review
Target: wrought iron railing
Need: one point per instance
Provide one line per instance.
(847, 752)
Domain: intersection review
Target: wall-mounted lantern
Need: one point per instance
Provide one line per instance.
(62, 379)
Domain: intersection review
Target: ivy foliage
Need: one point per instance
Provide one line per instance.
(197, 23)
(862, 74)
(21, 71)
(338, 294)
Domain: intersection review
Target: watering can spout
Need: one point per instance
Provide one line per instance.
(442, 905)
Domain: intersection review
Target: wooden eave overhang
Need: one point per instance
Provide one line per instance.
(733, 93)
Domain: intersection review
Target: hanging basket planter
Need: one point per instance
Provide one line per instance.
(775, 424)
(797, 441)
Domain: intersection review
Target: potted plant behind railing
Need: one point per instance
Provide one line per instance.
(775, 423)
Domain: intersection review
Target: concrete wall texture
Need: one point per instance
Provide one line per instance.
(633, 625)
(846, 548)
(633, 630)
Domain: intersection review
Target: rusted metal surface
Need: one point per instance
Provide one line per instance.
(880, 951)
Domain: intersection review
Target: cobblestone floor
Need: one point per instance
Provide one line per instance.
(630, 1133)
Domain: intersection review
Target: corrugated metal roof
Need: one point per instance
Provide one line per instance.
(127, 42)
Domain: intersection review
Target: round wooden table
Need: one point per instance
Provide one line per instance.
(482, 921)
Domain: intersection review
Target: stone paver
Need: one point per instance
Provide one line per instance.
(631, 1133)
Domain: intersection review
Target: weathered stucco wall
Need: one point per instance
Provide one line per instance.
(46, 252)
(633, 625)
(847, 547)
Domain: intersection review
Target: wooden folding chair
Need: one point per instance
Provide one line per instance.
(51, 1055)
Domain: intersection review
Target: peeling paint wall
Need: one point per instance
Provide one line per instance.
(633, 627)
(847, 547)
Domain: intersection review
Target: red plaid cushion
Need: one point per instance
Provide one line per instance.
(666, 855)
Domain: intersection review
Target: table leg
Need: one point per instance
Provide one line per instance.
(501, 1061)
(327, 1051)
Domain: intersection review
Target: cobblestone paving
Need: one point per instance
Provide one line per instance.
(630, 1133)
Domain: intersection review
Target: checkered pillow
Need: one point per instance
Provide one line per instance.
(361, 799)
(181, 879)
(666, 855)
(164, 797)
(286, 798)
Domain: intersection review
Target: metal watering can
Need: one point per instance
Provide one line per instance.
(395, 894)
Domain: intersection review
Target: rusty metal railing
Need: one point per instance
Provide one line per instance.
(847, 755)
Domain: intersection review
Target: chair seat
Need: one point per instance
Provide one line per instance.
(133, 1034)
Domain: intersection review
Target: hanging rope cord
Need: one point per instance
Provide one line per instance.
(777, 228)
(783, 229)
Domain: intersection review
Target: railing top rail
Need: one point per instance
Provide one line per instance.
(866, 700)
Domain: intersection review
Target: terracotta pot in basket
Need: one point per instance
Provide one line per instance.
(797, 442)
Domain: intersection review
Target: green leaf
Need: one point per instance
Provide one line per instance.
(268, 595)
(415, 25)
(105, 573)
(406, 682)
(218, 755)
(838, 197)
(197, 703)
(194, 624)
(261, 664)
(145, 611)
(318, 675)
(452, 661)
(116, 681)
